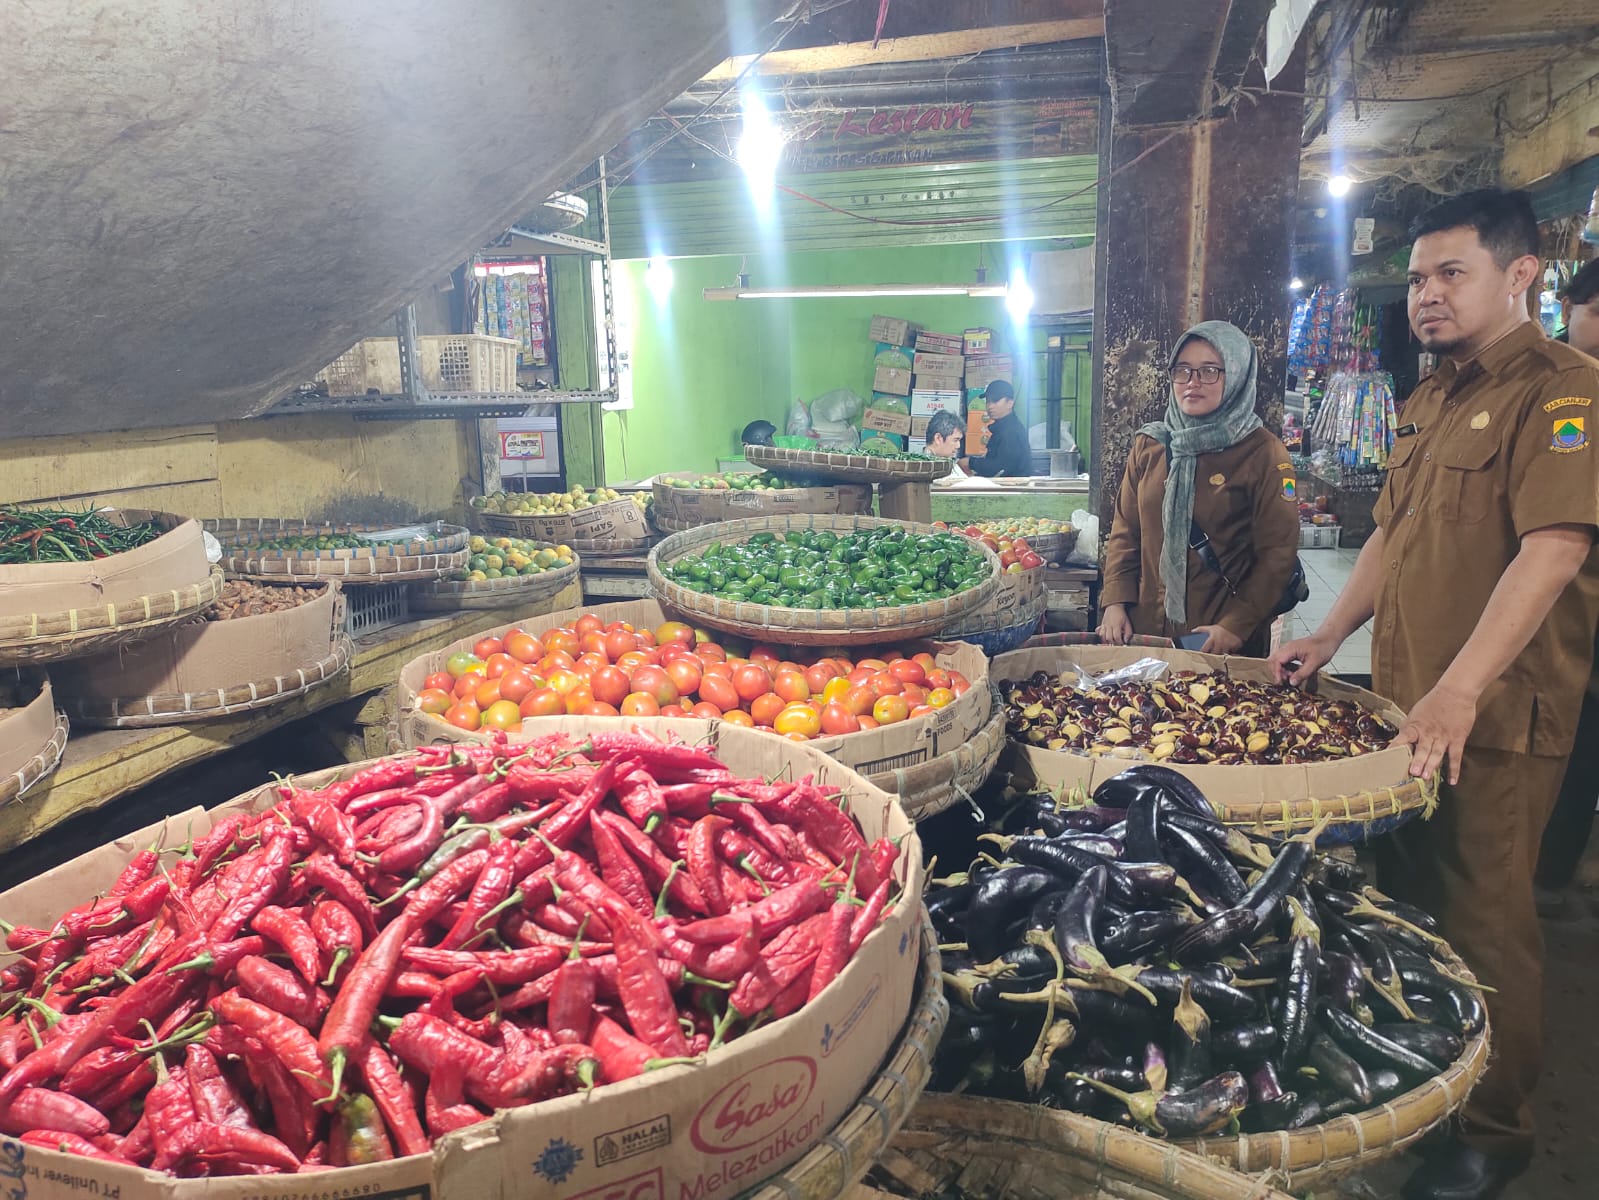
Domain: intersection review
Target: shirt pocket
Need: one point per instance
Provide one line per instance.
(1468, 484)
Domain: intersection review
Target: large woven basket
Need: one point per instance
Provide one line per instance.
(1093, 639)
(611, 547)
(36, 716)
(848, 468)
(1012, 617)
(1320, 1155)
(928, 788)
(675, 509)
(439, 554)
(1053, 547)
(44, 637)
(969, 1146)
(595, 526)
(448, 595)
(808, 627)
(848, 1150)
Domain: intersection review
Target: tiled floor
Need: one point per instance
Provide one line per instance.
(1327, 571)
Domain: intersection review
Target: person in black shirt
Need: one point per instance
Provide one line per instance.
(1008, 452)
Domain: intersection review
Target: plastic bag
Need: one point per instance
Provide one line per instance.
(837, 407)
(799, 419)
(836, 436)
(1086, 552)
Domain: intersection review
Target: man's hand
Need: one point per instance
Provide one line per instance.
(965, 464)
(1437, 728)
(1219, 640)
(1310, 653)
(1114, 626)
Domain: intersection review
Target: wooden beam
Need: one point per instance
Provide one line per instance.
(915, 48)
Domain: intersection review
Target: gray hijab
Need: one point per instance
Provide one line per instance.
(1186, 438)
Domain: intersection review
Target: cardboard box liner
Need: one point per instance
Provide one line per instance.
(206, 656)
(1263, 785)
(710, 1129)
(26, 733)
(894, 380)
(690, 506)
(886, 421)
(174, 560)
(870, 752)
(613, 520)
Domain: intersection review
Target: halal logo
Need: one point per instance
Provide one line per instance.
(1570, 434)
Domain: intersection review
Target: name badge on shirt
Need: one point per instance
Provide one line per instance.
(1406, 430)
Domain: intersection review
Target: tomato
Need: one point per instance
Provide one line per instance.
(578, 699)
(960, 687)
(921, 710)
(640, 704)
(657, 683)
(562, 640)
(632, 661)
(594, 643)
(436, 701)
(860, 699)
(717, 667)
(487, 693)
(674, 631)
(938, 678)
(586, 624)
(711, 652)
(720, 692)
(890, 710)
(565, 682)
(798, 718)
(860, 673)
(460, 663)
(907, 669)
(645, 638)
(598, 708)
(502, 714)
(835, 689)
(467, 685)
(441, 681)
(619, 642)
(516, 684)
(673, 713)
(868, 721)
(765, 708)
(524, 647)
(836, 719)
(543, 702)
(791, 686)
(488, 647)
(463, 714)
(914, 694)
(558, 660)
(705, 711)
(610, 685)
(762, 653)
(872, 664)
(751, 680)
(927, 661)
(818, 676)
(686, 674)
(587, 664)
(498, 664)
(885, 683)
(940, 698)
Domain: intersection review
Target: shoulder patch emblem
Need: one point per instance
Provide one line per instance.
(1569, 402)
(1290, 491)
(1285, 466)
(1571, 434)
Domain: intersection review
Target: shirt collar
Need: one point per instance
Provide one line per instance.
(1495, 358)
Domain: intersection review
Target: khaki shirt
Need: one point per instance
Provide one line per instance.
(1244, 500)
(1502, 447)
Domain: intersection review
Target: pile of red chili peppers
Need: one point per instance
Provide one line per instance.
(358, 970)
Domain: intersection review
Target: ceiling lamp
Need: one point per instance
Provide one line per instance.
(1339, 185)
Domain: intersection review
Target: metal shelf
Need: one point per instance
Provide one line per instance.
(436, 406)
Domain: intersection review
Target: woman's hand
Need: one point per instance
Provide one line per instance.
(1219, 640)
(1114, 627)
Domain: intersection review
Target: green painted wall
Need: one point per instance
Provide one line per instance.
(701, 370)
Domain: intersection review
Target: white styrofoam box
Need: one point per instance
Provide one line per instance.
(1319, 537)
(529, 446)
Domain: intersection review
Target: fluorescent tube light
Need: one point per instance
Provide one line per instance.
(856, 291)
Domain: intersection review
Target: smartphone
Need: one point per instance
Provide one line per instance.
(1193, 641)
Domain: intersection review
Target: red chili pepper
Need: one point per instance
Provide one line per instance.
(288, 1041)
(867, 919)
(655, 865)
(500, 967)
(434, 1046)
(357, 1002)
(792, 998)
(42, 1108)
(170, 1111)
(488, 894)
(140, 867)
(227, 1145)
(438, 893)
(493, 801)
(580, 914)
(321, 871)
(563, 828)
(651, 754)
(780, 963)
(726, 963)
(692, 800)
(743, 851)
(618, 869)
(621, 1055)
(328, 823)
(70, 1143)
(339, 938)
(572, 996)
(835, 947)
(294, 935)
(219, 961)
(704, 866)
(210, 849)
(214, 1097)
(446, 1108)
(282, 991)
(641, 799)
(393, 1099)
(831, 829)
(786, 906)
(267, 879)
(382, 776)
(645, 993)
(778, 839)
(294, 1119)
(564, 1068)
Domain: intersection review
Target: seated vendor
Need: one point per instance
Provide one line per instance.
(944, 435)
(1008, 452)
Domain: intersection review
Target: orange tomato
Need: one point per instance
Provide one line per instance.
(710, 652)
(859, 699)
(737, 716)
(563, 641)
(594, 643)
(836, 719)
(619, 642)
(441, 681)
(645, 638)
(907, 669)
(938, 678)
(524, 647)
(884, 683)
(706, 711)
(798, 718)
(791, 686)
(657, 683)
(434, 700)
(927, 661)
(685, 673)
(796, 737)
(502, 714)
(868, 721)
(717, 667)
(940, 698)
(632, 661)
(487, 647)
(587, 664)
(464, 715)
(640, 704)
(515, 685)
(674, 631)
(556, 660)
(498, 664)
(487, 693)
(890, 710)
(720, 692)
(765, 708)
(578, 699)
(543, 702)
(565, 682)
(764, 654)
(598, 708)
(751, 680)
(610, 685)
(818, 676)
(959, 686)
(586, 624)
(467, 685)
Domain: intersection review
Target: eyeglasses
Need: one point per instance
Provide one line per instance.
(1185, 374)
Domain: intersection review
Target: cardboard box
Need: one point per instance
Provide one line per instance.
(871, 752)
(982, 370)
(894, 380)
(685, 508)
(892, 356)
(937, 383)
(614, 520)
(1251, 785)
(893, 331)
(945, 366)
(940, 343)
(709, 1129)
(25, 733)
(919, 431)
(886, 421)
(201, 657)
(173, 561)
(927, 401)
(976, 341)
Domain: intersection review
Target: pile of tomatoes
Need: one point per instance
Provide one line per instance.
(591, 668)
(1015, 555)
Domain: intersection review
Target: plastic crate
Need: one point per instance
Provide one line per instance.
(466, 362)
(1319, 537)
(373, 606)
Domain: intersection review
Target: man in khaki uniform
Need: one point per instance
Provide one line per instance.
(1485, 589)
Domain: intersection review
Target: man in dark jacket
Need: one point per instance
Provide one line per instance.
(1007, 452)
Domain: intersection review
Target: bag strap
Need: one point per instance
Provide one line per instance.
(1199, 543)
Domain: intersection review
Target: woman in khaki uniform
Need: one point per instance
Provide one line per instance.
(1209, 464)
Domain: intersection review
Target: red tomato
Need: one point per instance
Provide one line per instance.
(818, 675)
(619, 642)
(938, 678)
(586, 624)
(632, 661)
(860, 674)
(487, 693)
(556, 660)
(515, 685)
(836, 719)
(914, 694)
(467, 685)
(860, 699)
(907, 669)
(441, 681)
(1031, 561)
(929, 663)
(436, 701)
(524, 647)
(610, 685)
(640, 704)
(765, 708)
(706, 711)
(764, 654)
(791, 686)
(485, 647)
(719, 691)
(921, 710)
(686, 674)
(868, 721)
(717, 666)
(543, 702)
(464, 715)
(751, 680)
(657, 683)
(498, 664)
(885, 683)
(587, 664)
(711, 652)
(598, 708)
(872, 664)
(563, 640)
(594, 643)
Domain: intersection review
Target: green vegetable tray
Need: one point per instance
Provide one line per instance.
(847, 468)
(803, 626)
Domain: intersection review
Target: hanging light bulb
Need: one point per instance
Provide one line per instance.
(1339, 185)
(760, 145)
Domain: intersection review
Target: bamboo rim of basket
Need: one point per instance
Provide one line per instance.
(15, 786)
(1322, 1154)
(803, 626)
(40, 637)
(347, 570)
(928, 788)
(449, 539)
(956, 1129)
(610, 547)
(1045, 640)
(513, 521)
(848, 1150)
(849, 468)
(172, 708)
(445, 595)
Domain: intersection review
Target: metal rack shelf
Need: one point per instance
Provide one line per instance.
(435, 406)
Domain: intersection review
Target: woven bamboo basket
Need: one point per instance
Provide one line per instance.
(968, 1146)
(610, 520)
(1093, 639)
(809, 627)
(437, 555)
(1009, 619)
(44, 637)
(612, 547)
(927, 789)
(46, 756)
(675, 509)
(848, 468)
(1053, 547)
(448, 595)
(848, 1150)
